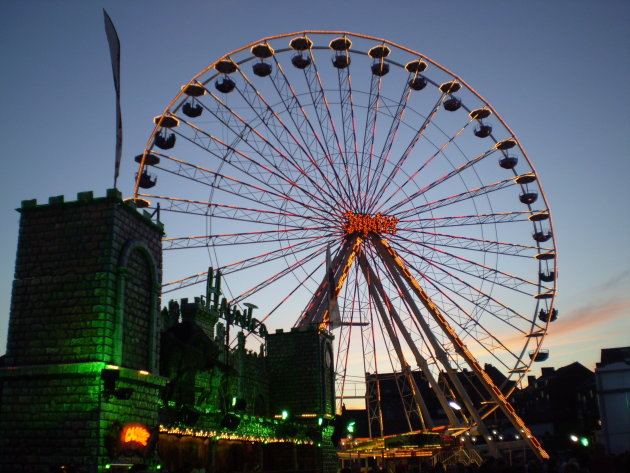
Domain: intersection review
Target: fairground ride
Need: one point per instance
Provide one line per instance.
(349, 182)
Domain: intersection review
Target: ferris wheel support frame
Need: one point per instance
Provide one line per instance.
(317, 310)
(394, 268)
(420, 360)
(398, 268)
(425, 417)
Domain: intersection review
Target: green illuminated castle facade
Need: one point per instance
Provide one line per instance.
(97, 378)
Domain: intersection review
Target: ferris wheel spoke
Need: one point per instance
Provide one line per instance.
(231, 122)
(450, 306)
(245, 238)
(410, 179)
(407, 152)
(485, 339)
(236, 187)
(478, 219)
(351, 150)
(307, 132)
(322, 110)
(223, 152)
(246, 132)
(283, 300)
(271, 256)
(266, 151)
(453, 199)
(289, 269)
(473, 268)
(327, 124)
(293, 148)
(280, 253)
(184, 282)
(476, 244)
(369, 133)
(462, 283)
(389, 142)
(441, 180)
(230, 212)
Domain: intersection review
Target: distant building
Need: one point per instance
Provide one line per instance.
(395, 394)
(612, 374)
(559, 403)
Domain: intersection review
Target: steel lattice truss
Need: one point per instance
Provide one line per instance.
(443, 254)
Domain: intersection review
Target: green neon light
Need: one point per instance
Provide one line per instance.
(220, 307)
(350, 427)
(584, 441)
(285, 415)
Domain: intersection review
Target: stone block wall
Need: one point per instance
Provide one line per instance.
(65, 292)
(85, 299)
(52, 419)
(300, 373)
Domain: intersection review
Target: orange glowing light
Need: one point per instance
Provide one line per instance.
(136, 434)
(366, 223)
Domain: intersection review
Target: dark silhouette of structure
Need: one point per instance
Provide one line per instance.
(96, 378)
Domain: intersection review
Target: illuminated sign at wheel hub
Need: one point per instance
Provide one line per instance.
(364, 224)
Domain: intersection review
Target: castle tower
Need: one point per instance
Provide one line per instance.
(300, 364)
(81, 361)
(301, 372)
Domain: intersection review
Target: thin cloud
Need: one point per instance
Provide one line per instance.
(614, 282)
(589, 317)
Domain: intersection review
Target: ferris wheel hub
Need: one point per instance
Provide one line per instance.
(365, 224)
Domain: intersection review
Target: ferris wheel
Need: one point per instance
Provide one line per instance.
(348, 182)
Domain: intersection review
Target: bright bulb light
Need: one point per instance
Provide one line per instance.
(573, 438)
(454, 405)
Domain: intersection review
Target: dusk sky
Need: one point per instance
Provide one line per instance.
(555, 71)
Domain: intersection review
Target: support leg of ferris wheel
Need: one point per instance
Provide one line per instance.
(394, 268)
(316, 311)
(396, 264)
(425, 417)
(374, 281)
(373, 398)
(341, 364)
